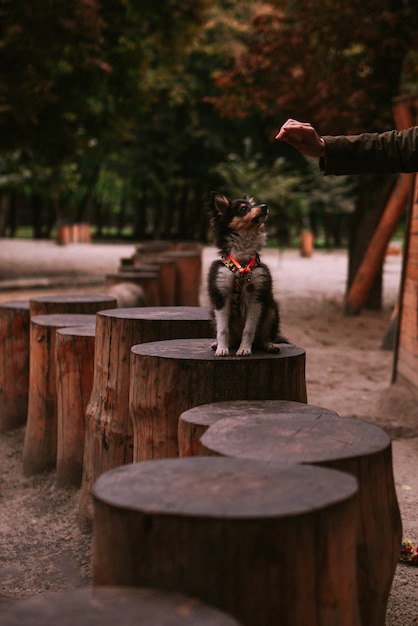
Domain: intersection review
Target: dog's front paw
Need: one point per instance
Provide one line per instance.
(244, 351)
(272, 347)
(222, 351)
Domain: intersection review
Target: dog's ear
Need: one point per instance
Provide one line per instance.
(219, 203)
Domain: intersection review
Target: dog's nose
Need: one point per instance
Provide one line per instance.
(263, 207)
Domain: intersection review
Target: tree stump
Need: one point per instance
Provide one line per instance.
(146, 279)
(14, 363)
(40, 443)
(326, 439)
(188, 275)
(194, 422)
(268, 543)
(77, 303)
(168, 377)
(166, 276)
(107, 606)
(109, 436)
(74, 376)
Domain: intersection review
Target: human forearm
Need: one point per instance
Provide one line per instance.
(392, 151)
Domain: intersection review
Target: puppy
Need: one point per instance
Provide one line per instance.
(245, 313)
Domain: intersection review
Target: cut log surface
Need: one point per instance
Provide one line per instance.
(169, 377)
(323, 438)
(99, 606)
(40, 443)
(73, 303)
(194, 422)
(75, 368)
(258, 540)
(14, 363)
(109, 436)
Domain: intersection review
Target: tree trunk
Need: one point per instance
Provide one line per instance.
(373, 195)
(258, 540)
(168, 377)
(74, 367)
(315, 436)
(109, 436)
(14, 363)
(40, 444)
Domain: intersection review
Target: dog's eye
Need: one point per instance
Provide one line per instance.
(242, 210)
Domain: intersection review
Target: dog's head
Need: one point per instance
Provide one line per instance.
(241, 216)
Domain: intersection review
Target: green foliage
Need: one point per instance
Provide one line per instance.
(107, 107)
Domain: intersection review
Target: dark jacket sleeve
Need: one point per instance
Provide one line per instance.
(372, 153)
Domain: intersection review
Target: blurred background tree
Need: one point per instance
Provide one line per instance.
(128, 114)
(338, 65)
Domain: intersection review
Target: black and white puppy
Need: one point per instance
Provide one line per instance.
(239, 284)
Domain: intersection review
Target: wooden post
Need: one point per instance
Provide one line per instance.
(109, 436)
(318, 437)
(75, 303)
(14, 363)
(166, 275)
(263, 541)
(168, 377)
(375, 253)
(107, 606)
(194, 422)
(146, 279)
(188, 275)
(74, 367)
(40, 443)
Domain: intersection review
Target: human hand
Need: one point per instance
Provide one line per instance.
(303, 137)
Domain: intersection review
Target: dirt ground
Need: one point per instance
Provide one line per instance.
(41, 547)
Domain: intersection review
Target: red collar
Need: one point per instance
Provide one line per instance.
(235, 266)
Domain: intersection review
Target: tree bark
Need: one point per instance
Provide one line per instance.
(258, 540)
(14, 363)
(74, 367)
(40, 443)
(316, 436)
(109, 435)
(168, 377)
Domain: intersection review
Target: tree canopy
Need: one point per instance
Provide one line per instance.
(133, 109)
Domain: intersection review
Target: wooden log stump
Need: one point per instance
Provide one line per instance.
(146, 279)
(194, 422)
(188, 265)
(14, 363)
(268, 543)
(107, 606)
(166, 276)
(326, 439)
(74, 376)
(73, 303)
(40, 443)
(109, 436)
(169, 377)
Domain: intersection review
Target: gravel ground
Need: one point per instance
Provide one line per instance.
(42, 547)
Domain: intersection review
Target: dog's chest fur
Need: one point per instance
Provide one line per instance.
(240, 285)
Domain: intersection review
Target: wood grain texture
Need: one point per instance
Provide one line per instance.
(75, 368)
(194, 422)
(40, 443)
(258, 540)
(169, 377)
(326, 439)
(72, 303)
(14, 363)
(109, 435)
